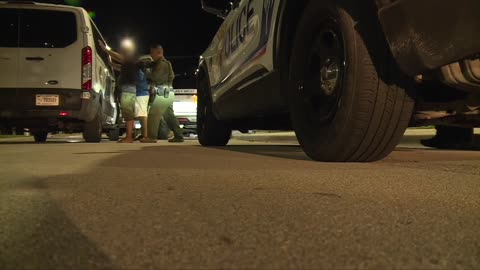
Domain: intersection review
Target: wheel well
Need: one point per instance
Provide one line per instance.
(287, 20)
(291, 12)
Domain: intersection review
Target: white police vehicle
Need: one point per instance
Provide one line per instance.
(344, 74)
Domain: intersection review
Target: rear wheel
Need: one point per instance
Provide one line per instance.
(92, 132)
(211, 131)
(40, 136)
(342, 109)
(114, 134)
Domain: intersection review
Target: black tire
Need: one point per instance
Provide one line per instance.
(343, 109)
(92, 132)
(40, 136)
(114, 134)
(210, 130)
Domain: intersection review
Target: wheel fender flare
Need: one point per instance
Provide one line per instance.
(90, 107)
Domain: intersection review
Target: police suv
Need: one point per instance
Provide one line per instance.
(349, 76)
(53, 73)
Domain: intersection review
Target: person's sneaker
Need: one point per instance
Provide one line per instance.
(176, 140)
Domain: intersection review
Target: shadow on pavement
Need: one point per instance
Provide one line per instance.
(278, 151)
(55, 140)
(415, 141)
(180, 207)
(36, 234)
(32, 142)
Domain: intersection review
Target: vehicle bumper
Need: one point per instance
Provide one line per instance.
(427, 34)
(188, 123)
(17, 107)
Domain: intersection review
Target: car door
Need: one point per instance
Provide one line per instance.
(50, 48)
(103, 77)
(214, 56)
(9, 52)
(244, 38)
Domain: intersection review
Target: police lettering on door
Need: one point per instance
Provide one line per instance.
(240, 29)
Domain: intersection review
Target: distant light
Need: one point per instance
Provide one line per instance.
(75, 3)
(64, 114)
(92, 14)
(128, 44)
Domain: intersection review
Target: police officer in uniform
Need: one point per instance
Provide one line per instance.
(161, 80)
(170, 122)
(163, 116)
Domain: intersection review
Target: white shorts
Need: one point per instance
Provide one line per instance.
(141, 106)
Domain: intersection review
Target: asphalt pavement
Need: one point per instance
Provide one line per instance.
(257, 203)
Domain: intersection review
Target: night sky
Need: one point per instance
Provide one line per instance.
(181, 26)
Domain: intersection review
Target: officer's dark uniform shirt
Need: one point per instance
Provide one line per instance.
(161, 73)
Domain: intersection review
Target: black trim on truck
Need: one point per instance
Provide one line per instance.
(20, 103)
(428, 34)
(23, 99)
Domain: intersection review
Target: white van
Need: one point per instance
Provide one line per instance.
(53, 74)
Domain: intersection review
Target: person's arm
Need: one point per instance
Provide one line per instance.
(171, 74)
(115, 56)
(117, 67)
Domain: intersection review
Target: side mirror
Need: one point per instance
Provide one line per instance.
(219, 8)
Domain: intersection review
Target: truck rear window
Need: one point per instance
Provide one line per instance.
(47, 28)
(8, 28)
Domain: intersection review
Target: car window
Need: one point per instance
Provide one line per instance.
(9, 27)
(47, 28)
(97, 38)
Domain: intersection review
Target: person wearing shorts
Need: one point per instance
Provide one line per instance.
(128, 99)
(133, 86)
(141, 106)
(127, 83)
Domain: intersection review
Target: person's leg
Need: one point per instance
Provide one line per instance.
(163, 130)
(172, 123)
(156, 113)
(153, 120)
(142, 116)
(144, 123)
(130, 125)
(128, 111)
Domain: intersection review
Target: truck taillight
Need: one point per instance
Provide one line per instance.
(87, 62)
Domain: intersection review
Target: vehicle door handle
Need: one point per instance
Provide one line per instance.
(34, 58)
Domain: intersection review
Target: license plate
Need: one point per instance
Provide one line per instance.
(47, 100)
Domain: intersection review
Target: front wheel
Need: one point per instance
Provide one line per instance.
(342, 107)
(210, 130)
(92, 132)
